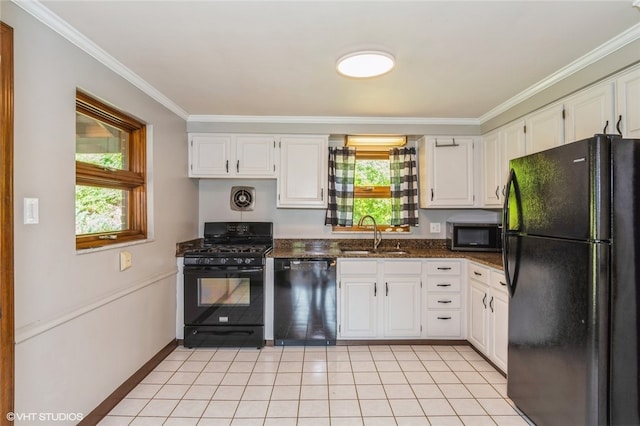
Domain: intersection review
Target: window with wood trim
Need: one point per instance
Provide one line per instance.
(111, 190)
(372, 191)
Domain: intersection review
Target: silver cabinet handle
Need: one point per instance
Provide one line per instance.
(444, 318)
(497, 189)
(444, 301)
(491, 303)
(443, 285)
(226, 165)
(386, 286)
(484, 300)
(375, 289)
(238, 166)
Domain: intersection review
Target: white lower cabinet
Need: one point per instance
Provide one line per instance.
(488, 313)
(379, 298)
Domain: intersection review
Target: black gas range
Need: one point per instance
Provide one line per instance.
(224, 285)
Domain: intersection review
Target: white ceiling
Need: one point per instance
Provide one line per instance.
(455, 59)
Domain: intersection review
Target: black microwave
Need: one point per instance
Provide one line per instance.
(474, 236)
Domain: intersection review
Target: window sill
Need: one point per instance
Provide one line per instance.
(114, 246)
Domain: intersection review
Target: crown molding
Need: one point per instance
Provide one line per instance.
(330, 120)
(600, 52)
(57, 24)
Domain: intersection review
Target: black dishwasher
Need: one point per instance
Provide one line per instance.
(305, 302)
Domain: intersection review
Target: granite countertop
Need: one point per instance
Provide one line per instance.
(389, 248)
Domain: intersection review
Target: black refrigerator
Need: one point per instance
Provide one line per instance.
(571, 224)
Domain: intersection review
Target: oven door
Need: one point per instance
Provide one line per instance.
(223, 296)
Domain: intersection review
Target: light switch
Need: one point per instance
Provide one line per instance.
(125, 260)
(31, 214)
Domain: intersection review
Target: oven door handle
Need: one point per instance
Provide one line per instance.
(225, 333)
(220, 269)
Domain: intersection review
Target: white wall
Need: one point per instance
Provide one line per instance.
(82, 326)
(305, 223)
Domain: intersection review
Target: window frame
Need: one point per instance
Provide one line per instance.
(133, 180)
(376, 191)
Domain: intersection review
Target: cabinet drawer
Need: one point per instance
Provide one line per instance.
(402, 267)
(478, 273)
(360, 267)
(443, 284)
(443, 301)
(443, 267)
(498, 281)
(444, 324)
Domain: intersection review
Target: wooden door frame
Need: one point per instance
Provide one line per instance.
(7, 346)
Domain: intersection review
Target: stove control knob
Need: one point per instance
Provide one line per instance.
(223, 260)
(238, 260)
(248, 260)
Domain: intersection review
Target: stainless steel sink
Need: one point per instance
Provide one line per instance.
(391, 252)
(357, 252)
(365, 252)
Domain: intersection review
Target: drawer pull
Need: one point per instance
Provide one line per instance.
(443, 285)
(504, 284)
(477, 274)
(444, 301)
(444, 268)
(444, 318)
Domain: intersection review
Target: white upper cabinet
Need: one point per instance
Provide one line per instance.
(545, 129)
(628, 103)
(302, 182)
(446, 169)
(231, 156)
(255, 156)
(492, 170)
(589, 112)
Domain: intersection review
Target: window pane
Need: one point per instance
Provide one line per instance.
(100, 210)
(379, 208)
(101, 144)
(372, 173)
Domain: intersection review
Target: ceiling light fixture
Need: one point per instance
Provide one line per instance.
(363, 64)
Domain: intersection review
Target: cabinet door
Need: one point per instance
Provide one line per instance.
(255, 156)
(303, 172)
(545, 129)
(478, 300)
(402, 307)
(210, 155)
(628, 100)
(358, 307)
(499, 328)
(512, 145)
(590, 112)
(446, 172)
(492, 170)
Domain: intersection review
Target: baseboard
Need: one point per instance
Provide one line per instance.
(416, 342)
(95, 416)
(374, 342)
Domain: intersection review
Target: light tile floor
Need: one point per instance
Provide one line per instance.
(337, 385)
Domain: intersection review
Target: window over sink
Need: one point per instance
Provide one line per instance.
(379, 182)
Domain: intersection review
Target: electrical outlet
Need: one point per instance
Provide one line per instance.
(125, 260)
(434, 228)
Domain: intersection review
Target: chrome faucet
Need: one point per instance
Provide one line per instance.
(377, 234)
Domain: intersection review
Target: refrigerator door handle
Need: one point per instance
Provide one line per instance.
(511, 284)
